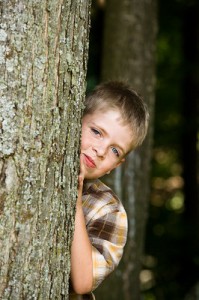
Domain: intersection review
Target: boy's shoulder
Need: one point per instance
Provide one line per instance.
(97, 188)
(99, 199)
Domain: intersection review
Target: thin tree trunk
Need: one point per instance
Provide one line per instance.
(129, 54)
(43, 59)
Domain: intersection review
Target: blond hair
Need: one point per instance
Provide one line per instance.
(119, 96)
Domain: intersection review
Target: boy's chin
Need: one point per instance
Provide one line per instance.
(92, 177)
(95, 175)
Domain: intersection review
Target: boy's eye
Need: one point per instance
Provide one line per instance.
(95, 131)
(115, 151)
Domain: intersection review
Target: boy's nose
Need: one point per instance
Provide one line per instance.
(100, 150)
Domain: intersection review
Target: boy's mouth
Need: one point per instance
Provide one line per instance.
(89, 161)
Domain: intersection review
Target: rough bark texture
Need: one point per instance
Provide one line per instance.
(129, 54)
(43, 59)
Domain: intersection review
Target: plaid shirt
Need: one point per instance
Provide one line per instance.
(106, 223)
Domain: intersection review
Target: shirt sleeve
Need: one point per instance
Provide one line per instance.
(108, 236)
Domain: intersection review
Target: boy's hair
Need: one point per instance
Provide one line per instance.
(119, 96)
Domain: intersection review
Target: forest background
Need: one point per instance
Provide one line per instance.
(171, 256)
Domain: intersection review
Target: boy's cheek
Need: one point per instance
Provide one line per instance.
(84, 144)
(82, 167)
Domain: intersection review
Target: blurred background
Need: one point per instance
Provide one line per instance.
(170, 252)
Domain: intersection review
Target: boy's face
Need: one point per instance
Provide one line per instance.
(105, 142)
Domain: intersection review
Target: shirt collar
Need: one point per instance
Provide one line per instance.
(87, 184)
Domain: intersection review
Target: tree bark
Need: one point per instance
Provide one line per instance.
(129, 55)
(43, 62)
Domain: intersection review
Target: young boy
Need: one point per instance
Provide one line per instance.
(115, 122)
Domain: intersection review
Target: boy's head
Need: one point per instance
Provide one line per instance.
(119, 96)
(115, 121)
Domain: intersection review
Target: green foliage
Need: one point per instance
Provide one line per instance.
(167, 230)
(164, 273)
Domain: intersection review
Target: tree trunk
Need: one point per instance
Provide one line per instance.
(43, 58)
(129, 54)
